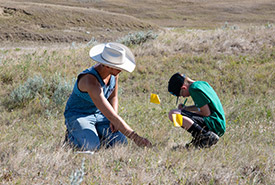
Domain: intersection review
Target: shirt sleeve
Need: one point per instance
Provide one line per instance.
(199, 98)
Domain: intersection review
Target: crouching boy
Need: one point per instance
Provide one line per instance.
(205, 119)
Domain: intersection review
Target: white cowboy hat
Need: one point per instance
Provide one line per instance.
(114, 55)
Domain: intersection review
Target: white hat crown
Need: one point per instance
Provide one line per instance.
(114, 54)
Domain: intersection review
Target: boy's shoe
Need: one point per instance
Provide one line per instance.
(193, 143)
(205, 140)
(208, 139)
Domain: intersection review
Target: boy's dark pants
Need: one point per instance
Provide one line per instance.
(196, 118)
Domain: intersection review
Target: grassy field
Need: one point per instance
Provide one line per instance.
(238, 62)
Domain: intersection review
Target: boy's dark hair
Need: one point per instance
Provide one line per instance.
(175, 83)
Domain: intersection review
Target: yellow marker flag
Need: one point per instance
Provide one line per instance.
(155, 98)
(177, 119)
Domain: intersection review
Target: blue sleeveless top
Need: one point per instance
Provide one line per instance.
(80, 103)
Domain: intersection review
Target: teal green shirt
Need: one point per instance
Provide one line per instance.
(202, 93)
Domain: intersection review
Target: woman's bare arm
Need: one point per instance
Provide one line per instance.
(89, 83)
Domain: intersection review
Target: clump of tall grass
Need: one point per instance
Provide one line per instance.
(226, 26)
(137, 38)
(268, 25)
(77, 176)
(61, 89)
(27, 91)
(55, 90)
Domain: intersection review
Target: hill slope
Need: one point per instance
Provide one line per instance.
(82, 20)
(61, 23)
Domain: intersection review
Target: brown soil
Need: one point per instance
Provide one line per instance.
(51, 21)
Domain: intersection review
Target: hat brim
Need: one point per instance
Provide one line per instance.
(129, 61)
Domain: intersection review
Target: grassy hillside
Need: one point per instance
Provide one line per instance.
(66, 21)
(180, 13)
(238, 62)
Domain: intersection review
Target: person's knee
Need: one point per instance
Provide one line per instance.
(86, 140)
(186, 121)
(174, 111)
(90, 146)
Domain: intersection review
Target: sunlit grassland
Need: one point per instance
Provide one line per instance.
(239, 64)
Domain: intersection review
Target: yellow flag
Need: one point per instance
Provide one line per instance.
(177, 119)
(155, 98)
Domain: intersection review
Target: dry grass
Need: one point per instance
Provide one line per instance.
(225, 41)
(237, 63)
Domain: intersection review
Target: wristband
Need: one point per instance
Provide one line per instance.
(132, 135)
